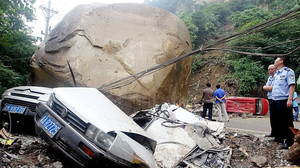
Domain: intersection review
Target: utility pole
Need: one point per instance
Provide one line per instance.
(48, 13)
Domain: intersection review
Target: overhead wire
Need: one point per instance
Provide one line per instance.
(65, 83)
(133, 77)
(287, 16)
(255, 54)
(267, 47)
(256, 27)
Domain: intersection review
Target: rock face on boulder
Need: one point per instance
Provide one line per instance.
(105, 43)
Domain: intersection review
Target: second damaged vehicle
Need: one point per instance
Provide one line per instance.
(18, 106)
(184, 139)
(92, 131)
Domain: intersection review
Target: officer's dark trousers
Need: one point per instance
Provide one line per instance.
(271, 116)
(283, 119)
(208, 106)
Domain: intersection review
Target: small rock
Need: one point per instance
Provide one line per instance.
(21, 152)
(249, 115)
(13, 156)
(40, 158)
(5, 160)
(260, 161)
(57, 164)
(244, 116)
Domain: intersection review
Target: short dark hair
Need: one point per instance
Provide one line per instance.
(208, 85)
(218, 86)
(285, 59)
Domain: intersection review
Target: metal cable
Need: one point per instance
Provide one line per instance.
(129, 79)
(255, 54)
(247, 31)
(264, 48)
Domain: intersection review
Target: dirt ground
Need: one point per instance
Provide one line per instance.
(29, 151)
(211, 71)
(214, 70)
(255, 151)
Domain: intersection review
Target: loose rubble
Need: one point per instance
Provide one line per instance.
(184, 139)
(28, 151)
(249, 150)
(245, 149)
(293, 154)
(31, 151)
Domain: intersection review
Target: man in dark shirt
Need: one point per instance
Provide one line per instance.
(208, 102)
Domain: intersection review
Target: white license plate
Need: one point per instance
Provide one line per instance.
(49, 125)
(14, 108)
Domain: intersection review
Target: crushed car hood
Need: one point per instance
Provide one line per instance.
(93, 107)
(41, 93)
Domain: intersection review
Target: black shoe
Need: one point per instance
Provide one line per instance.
(284, 146)
(269, 135)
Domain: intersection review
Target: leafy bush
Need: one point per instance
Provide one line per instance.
(198, 62)
(9, 78)
(249, 74)
(16, 43)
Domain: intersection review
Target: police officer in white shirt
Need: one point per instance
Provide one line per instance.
(271, 71)
(283, 88)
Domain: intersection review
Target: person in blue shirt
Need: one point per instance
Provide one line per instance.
(283, 88)
(271, 71)
(220, 96)
(295, 106)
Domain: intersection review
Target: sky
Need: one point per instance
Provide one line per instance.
(62, 7)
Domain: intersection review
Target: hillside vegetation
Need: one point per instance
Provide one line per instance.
(208, 22)
(16, 44)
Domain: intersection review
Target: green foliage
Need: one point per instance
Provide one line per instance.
(193, 29)
(249, 74)
(278, 6)
(278, 34)
(221, 11)
(12, 11)
(274, 36)
(249, 18)
(240, 5)
(198, 63)
(204, 22)
(9, 78)
(207, 24)
(16, 45)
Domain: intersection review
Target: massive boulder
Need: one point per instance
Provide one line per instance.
(104, 43)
